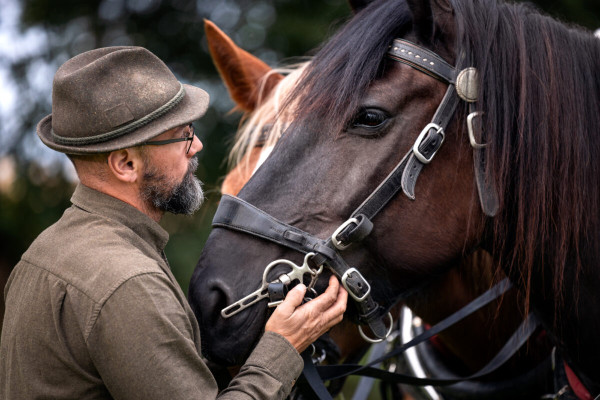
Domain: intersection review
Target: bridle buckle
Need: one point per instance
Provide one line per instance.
(471, 130)
(420, 156)
(356, 285)
(338, 244)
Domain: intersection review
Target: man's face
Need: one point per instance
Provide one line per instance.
(162, 185)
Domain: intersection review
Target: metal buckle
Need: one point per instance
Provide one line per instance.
(472, 139)
(339, 245)
(422, 135)
(350, 292)
(370, 340)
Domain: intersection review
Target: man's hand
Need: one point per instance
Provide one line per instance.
(301, 324)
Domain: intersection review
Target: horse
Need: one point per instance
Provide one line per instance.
(373, 106)
(258, 91)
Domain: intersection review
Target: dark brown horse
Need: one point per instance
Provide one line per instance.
(359, 112)
(259, 91)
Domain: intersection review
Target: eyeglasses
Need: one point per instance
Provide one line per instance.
(188, 135)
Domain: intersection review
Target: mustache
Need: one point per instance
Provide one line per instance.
(193, 165)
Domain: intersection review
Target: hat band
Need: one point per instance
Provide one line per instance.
(125, 128)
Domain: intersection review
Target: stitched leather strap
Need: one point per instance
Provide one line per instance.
(516, 341)
(237, 214)
(422, 59)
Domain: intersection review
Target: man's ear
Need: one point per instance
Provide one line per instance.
(126, 165)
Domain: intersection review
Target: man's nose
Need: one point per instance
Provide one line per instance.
(196, 146)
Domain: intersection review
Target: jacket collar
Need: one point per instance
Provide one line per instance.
(96, 202)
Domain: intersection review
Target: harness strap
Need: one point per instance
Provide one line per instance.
(237, 214)
(433, 137)
(310, 382)
(315, 386)
(488, 195)
(490, 295)
(516, 341)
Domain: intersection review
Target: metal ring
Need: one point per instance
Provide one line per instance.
(472, 139)
(368, 339)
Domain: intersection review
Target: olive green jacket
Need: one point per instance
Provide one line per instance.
(94, 312)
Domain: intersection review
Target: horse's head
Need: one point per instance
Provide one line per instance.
(360, 112)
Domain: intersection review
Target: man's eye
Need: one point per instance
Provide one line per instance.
(187, 132)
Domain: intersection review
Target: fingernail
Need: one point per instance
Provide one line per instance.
(300, 287)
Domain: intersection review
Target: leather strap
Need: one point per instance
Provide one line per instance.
(488, 195)
(237, 214)
(516, 341)
(310, 382)
(422, 59)
(498, 290)
(431, 142)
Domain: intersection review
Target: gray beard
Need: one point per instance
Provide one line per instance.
(183, 198)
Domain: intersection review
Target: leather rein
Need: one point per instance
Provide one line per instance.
(236, 214)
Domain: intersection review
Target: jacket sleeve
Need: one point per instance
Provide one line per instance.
(143, 346)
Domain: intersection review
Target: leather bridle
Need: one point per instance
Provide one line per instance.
(236, 214)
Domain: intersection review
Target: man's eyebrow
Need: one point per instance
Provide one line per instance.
(179, 131)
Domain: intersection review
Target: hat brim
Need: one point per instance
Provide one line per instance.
(192, 107)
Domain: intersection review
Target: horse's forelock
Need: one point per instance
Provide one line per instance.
(341, 72)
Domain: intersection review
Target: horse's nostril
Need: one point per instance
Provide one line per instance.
(208, 299)
(218, 297)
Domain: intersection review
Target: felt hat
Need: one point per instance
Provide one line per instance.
(116, 97)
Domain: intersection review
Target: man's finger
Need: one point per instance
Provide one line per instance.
(326, 299)
(293, 299)
(339, 307)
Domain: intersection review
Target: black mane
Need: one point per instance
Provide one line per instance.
(343, 69)
(540, 81)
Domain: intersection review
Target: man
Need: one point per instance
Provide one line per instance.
(92, 309)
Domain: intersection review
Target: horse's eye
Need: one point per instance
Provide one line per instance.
(368, 121)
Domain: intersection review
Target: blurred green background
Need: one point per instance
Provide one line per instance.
(36, 36)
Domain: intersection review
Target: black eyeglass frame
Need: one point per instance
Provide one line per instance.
(169, 141)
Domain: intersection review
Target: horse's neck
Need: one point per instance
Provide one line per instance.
(572, 317)
(476, 339)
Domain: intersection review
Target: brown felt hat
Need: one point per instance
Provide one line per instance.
(116, 97)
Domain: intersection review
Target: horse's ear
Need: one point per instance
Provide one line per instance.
(242, 73)
(357, 5)
(426, 15)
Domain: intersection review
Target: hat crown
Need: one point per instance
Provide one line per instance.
(101, 90)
